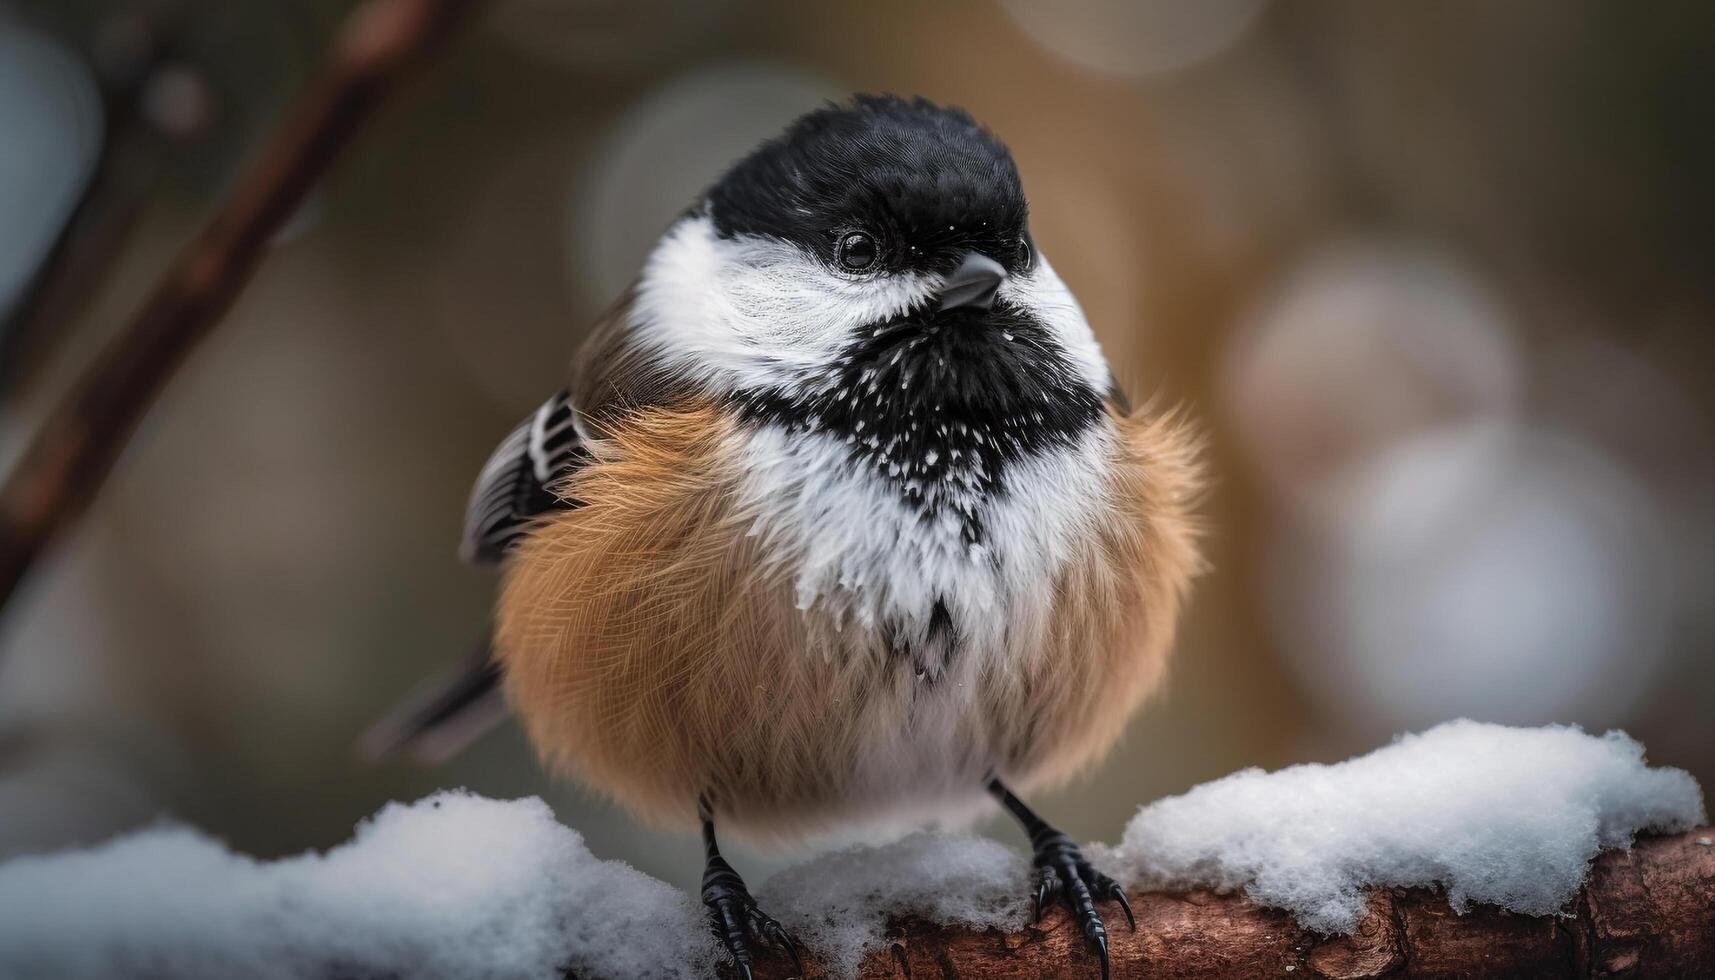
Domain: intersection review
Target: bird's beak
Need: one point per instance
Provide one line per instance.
(974, 283)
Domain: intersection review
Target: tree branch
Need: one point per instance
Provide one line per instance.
(1646, 913)
(75, 449)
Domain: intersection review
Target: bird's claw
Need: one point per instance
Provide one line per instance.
(1062, 871)
(737, 921)
(1115, 892)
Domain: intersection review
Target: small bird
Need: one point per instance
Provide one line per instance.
(841, 518)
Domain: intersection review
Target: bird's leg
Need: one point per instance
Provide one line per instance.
(732, 911)
(1063, 873)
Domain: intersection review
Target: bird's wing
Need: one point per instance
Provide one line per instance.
(444, 714)
(613, 375)
(515, 487)
(517, 483)
(617, 373)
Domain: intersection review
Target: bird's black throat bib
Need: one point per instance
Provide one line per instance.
(941, 405)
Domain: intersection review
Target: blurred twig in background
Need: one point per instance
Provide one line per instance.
(82, 437)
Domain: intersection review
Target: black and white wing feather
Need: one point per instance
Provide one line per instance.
(613, 377)
(514, 488)
(516, 485)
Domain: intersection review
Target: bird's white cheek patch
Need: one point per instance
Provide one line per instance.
(753, 313)
(1042, 292)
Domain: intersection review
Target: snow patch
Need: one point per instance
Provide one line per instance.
(452, 886)
(1506, 816)
(839, 903)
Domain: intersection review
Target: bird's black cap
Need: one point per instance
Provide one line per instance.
(927, 181)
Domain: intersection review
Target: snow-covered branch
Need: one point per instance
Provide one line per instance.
(1469, 850)
(1645, 913)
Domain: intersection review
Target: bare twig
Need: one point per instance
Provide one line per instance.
(1646, 913)
(64, 467)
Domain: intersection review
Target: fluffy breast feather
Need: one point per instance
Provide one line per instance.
(678, 635)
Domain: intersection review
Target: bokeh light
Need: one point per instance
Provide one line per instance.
(1363, 344)
(50, 134)
(666, 150)
(1486, 570)
(1140, 38)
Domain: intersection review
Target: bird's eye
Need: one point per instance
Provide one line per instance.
(1026, 254)
(858, 251)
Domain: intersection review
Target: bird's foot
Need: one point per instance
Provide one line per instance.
(1064, 875)
(738, 922)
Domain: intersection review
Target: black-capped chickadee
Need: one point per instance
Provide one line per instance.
(840, 518)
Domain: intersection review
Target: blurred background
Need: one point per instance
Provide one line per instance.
(1437, 279)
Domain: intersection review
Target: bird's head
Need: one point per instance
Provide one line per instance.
(863, 227)
(868, 270)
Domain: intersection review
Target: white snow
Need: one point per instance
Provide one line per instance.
(452, 886)
(458, 886)
(1508, 816)
(839, 903)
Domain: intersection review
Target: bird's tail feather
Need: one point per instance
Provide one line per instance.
(443, 715)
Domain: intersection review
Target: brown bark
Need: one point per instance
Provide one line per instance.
(82, 437)
(1646, 913)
